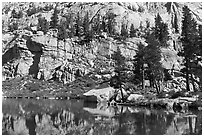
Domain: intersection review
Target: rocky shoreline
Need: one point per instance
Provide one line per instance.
(29, 88)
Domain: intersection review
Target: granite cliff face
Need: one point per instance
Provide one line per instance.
(27, 51)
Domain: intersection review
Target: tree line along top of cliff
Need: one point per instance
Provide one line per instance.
(136, 13)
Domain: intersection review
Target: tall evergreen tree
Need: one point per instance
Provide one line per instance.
(198, 73)
(139, 64)
(78, 26)
(164, 35)
(97, 25)
(86, 24)
(161, 31)
(103, 25)
(132, 31)
(153, 58)
(124, 31)
(119, 60)
(62, 33)
(70, 25)
(195, 67)
(111, 23)
(147, 62)
(189, 41)
(54, 18)
(199, 42)
(142, 31)
(158, 24)
(62, 30)
(43, 25)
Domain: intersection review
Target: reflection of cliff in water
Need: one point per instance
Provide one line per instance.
(75, 117)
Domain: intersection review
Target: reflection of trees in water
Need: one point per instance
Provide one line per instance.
(126, 120)
(65, 122)
(157, 123)
(31, 124)
(195, 125)
(7, 124)
(141, 123)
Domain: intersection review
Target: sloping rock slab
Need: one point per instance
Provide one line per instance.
(101, 94)
(135, 97)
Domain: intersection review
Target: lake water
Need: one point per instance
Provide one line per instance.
(30, 116)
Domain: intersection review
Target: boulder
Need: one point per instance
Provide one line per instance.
(98, 76)
(40, 33)
(101, 94)
(135, 97)
(34, 28)
(107, 76)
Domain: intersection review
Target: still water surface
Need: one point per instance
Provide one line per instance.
(29, 116)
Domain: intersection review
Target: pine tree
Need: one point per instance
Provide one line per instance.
(43, 25)
(124, 31)
(199, 52)
(189, 41)
(164, 35)
(158, 24)
(142, 31)
(86, 24)
(54, 18)
(103, 25)
(152, 59)
(111, 23)
(132, 31)
(161, 31)
(70, 25)
(62, 30)
(198, 72)
(62, 33)
(119, 60)
(97, 25)
(78, 26)
(147, 62)
(139, 62)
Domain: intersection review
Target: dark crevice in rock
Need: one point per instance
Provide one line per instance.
(34, 68)
(10, 54)
(37, 51)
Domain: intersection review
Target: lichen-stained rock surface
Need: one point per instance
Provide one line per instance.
(48, 53)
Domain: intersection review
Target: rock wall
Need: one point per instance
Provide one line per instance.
(39, 55)
(26, 51)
